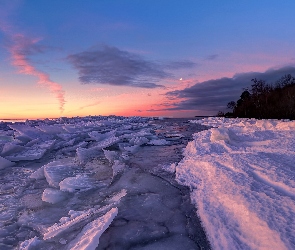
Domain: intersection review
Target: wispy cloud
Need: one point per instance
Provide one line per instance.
(21, 47)
(213, 95)
(90, 105)
(211, 57)
(110, 65)
(185, 64)
(84, 107)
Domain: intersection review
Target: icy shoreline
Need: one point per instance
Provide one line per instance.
(242, 179)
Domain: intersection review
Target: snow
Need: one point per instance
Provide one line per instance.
(242, 179)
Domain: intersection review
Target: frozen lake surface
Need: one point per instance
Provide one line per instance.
(96, 183)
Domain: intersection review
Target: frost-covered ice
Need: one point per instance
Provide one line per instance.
(53, 196)
(64, 181)
(80, 182)
(30, 244)
(88, 239)
(242, 179)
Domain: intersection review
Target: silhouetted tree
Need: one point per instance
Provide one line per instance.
(264, 100)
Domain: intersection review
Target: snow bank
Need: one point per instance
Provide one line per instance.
(242, 179)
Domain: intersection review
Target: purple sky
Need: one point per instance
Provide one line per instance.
(146, 58)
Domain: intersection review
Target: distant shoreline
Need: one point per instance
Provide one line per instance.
(12, 120)
(23, 120)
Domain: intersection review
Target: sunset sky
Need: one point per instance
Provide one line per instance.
(143, 58)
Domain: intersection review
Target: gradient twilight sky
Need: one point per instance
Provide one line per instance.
(145, 58)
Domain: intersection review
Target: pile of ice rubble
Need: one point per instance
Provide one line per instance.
(241, 174)
(70, 156)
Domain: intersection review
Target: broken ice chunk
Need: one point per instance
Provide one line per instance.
(86, 154)
(56, 171)
(170, 167)
(111, 155)
(132, 149)
(32, 142)
(5, 163)
(88, 238)
(158, 142)
(5, 138)
(66, 137)
(51, 129)
(30, 244)
(11, 148)
(78, 217)
(100, 136)
(32, 153)
(108, 142)
(38, 174)
(28, 131)
(53, 196)
(138, 140)
(72, 184)
(118, 167)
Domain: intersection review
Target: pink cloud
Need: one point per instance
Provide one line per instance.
(20, 48)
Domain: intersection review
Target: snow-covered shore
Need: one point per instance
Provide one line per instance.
(241, 174)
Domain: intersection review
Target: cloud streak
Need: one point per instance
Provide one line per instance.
(213, 95)
(21, 47)
(109, 65)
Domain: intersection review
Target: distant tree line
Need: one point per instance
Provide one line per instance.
(265, 101)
